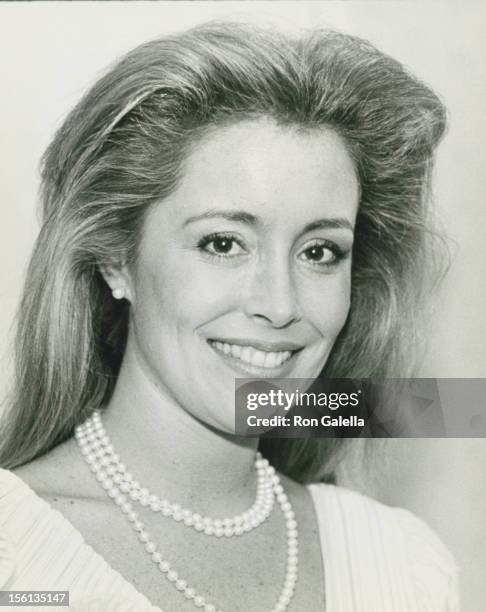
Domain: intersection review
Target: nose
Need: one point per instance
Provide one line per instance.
(270, 295)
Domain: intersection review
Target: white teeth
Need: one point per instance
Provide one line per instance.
(236, 350)
(246, 354)
(258, 358)
(253, 356)
(271, 360)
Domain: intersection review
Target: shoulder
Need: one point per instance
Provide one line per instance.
(389, 541)
(41, 550)
(362, 514)
(30, 521)
(22, 524)
(61, 473)
(37, 541)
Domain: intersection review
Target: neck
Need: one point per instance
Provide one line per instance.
(173, 454)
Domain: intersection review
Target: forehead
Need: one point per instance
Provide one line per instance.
(274, 172)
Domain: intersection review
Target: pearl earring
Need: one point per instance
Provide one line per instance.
(118, 293)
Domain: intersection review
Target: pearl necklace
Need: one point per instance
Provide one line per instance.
(95, 445)
(117, 482)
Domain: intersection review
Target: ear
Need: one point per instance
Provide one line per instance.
(119, 279)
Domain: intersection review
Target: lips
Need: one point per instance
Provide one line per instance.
(255, 355)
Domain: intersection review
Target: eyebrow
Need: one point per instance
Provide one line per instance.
(243, 217)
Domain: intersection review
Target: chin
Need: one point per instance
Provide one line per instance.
(220, 424)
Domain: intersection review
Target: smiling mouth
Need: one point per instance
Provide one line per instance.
(252, 356)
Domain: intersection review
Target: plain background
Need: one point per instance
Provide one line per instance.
(51, 51)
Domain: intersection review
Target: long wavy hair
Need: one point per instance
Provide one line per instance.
(122, 149)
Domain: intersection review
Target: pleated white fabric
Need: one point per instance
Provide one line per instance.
(381, 559)
(376, 558)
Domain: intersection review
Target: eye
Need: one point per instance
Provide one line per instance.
(221, 245)
(322, 253)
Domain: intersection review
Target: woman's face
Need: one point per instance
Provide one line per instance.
(244, 271)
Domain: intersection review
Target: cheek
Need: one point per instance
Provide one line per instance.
(184, 294)
(326, 303)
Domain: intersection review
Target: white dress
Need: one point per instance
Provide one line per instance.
(376, 558)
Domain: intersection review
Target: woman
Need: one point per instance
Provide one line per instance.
(225, 202)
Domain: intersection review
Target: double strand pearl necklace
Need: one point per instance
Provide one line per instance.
(122, 489)
(96, 446)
